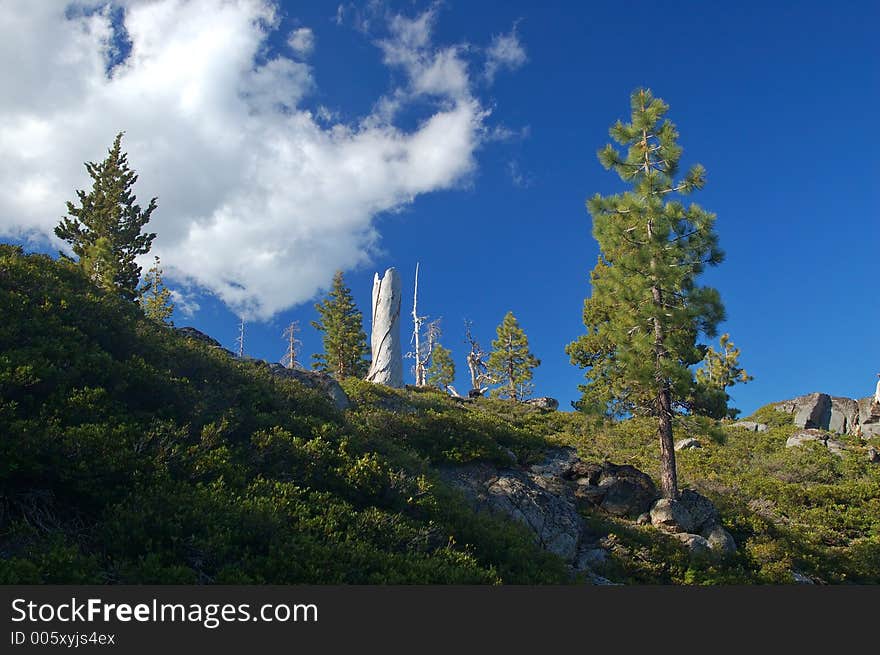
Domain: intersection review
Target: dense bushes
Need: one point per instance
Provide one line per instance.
(129, 454)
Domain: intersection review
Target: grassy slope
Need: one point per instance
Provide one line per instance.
(130, 454)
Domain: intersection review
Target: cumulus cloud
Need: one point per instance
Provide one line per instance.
(260, 198)
(185, 303)
(506, 52)
(302, 41)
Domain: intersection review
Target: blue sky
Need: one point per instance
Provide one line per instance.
(777, 101)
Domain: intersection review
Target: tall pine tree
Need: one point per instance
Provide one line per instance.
(441, 372)
(510, 362)
(646, 310)
(720, 370)
(110, 211)
(155, 296)
(345, 342)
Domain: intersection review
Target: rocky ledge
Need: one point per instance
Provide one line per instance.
(548, 498)
(834, 414)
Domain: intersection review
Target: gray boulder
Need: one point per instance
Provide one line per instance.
(697, 545)
(798, 439)
(536, 497)
(869, 418)
(835, 447)
(553, 518)
(671, 516)
(720, 541)
(873, 455)
(688, 444)
(544, 402)
(315, 380)
(805, 436)
(702, 511)
(814, 411)
(619, 490)
(844, 415)
(799, 578)
(752, 426)
(810, 411)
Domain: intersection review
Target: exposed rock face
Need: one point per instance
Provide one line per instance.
(721, 541)
(697, 545)
(799, 578)
(869, 418)
(387, 365)
(805, 436)
(671, 516)
(619, 490)
(537, 497)
(688, 444)
(834, 414)
(544, 402)
(844, 415)
(814, 411)
(752, 426)
(315, 380)
(693, 520)
(545, 497)
(701, 510)
(192, 333)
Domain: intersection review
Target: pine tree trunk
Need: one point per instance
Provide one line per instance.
(668, 473)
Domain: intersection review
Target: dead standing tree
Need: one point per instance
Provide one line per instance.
(476, 361)
(422, 351)
(239, 341)
(289, 359)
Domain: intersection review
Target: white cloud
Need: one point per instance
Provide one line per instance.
(185, 303)
(260, 199)
(432, 71)
(505, 52)
(302, 41)
(521, 179)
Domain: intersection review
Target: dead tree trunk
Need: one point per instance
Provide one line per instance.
(387, 365)
(289, 360)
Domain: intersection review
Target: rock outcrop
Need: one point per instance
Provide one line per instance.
(835, 414)
(315, 380)
(688, 444)
(869, 418)
(544, 402)
(196, 335)
(806, 436)
(693, 520)
(387, 365)
(752, 426)
(546, 498)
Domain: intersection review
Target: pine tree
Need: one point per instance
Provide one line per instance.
(646, 311)
(100, 264)
(441, 372)
(155, 296)
(719, 371)
(510, 362)
(109, 211)
(345, 342)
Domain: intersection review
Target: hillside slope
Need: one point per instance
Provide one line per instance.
(129, 454)
(132, 454)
